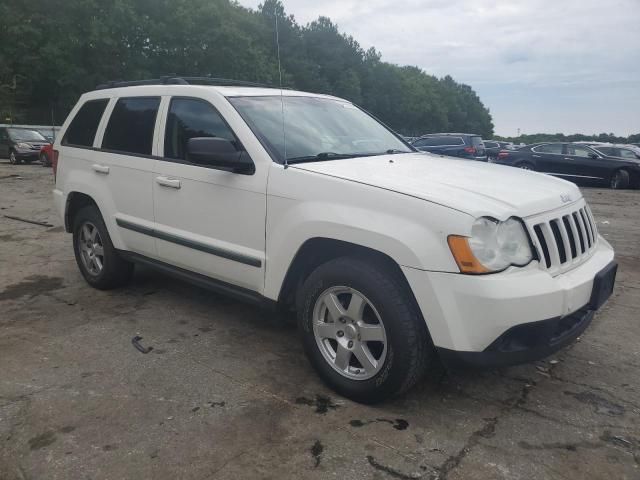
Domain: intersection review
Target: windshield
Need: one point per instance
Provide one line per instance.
(315, 128)
(20, 135)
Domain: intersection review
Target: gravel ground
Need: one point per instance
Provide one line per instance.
(227, 393)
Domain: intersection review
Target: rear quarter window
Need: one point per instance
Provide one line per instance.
(82, 129)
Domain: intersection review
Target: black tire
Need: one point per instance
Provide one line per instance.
(619, 180)
(409, 347)
(525, 166)
(115, 271)
(13, 160)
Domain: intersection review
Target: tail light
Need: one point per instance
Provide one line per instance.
(503, 154)
(54, 163)
(471, 150)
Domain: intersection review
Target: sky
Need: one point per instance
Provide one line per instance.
(551, 66)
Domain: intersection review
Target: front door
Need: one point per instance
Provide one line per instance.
(208, 221)
(584, 164)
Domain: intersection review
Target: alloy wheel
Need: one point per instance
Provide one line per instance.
(349, 333)
(91, 248)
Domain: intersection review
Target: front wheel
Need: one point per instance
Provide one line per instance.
(619, 180)
(13, 160)
(362, 330)
(98, 260)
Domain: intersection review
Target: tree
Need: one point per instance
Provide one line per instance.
(59, 49)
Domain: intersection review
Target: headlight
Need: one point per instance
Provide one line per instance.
(23, 145)
(493, 246)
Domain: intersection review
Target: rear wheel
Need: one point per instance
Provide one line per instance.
(361, 330)
(98, 260)
(619, 180)
(525, 166)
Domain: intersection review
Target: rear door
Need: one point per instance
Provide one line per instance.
(125, 162)
(548, 158)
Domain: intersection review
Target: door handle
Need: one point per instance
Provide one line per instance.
(567, 158)
(535, 156)
(100, 168)
(168, 182)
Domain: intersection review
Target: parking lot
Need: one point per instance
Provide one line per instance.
(226, 391)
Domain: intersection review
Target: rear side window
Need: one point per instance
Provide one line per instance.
(82, 129)
(130, 128)
(189, 118)
(477, 142)
(549, 148)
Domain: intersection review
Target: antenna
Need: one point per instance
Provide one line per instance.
(284, 137)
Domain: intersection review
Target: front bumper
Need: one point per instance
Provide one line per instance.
(523, 343)
(510, 317)
(27, 154)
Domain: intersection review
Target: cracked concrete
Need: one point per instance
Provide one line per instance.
(226, 392)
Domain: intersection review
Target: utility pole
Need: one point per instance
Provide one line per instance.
(13, 88)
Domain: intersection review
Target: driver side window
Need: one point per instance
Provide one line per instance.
(189, 118)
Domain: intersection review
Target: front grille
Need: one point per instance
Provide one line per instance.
(566, 239)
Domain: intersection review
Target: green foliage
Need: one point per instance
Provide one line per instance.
(58, 49)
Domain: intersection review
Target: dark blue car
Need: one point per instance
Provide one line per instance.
(463, 145)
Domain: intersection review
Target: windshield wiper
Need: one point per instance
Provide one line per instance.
(325, 156)
(392, 151)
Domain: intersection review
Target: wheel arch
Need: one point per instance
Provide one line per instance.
(74, 203)
(318, 250)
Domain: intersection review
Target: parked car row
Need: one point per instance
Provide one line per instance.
(25, 145)
(462, 145)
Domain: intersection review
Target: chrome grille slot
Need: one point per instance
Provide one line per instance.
(564, 239)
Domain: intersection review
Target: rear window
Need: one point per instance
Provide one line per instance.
(439, 141)
(82, 129)
(130, 128)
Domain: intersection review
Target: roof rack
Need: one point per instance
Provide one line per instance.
(175, 80)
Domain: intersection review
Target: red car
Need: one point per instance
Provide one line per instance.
(46, 155)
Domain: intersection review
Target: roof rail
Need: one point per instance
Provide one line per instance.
(175, 80)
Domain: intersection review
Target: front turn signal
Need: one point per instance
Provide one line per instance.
(466, 260)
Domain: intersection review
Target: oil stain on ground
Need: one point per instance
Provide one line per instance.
(322, 403)
(32, 285)
(601, 405)
(398, 423)
(43, 440)
(316, 451)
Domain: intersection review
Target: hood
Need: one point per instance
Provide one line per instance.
(477, 188)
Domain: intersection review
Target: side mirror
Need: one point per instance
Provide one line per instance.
(220, 153)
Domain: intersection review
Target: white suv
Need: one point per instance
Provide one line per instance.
(390, 257)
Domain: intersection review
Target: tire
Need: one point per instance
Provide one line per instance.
(402, 356)
(13, 160)
(107, 270)
(525, 166)
(44, 160)
(619, 180)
